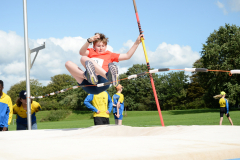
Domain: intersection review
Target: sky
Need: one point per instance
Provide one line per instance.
(174, 31)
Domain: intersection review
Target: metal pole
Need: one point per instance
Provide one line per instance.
(27, 67)
(146, 57)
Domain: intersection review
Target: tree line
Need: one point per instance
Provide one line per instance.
(175, 90)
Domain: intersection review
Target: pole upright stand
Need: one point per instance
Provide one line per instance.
(148, 64)
(28, 64)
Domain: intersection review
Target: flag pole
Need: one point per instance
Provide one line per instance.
(148, 65)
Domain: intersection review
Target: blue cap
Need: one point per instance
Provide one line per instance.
(23, 94)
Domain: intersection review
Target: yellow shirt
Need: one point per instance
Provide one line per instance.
(22, 113)
(222, 102)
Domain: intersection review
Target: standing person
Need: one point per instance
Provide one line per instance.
(98, 62)
(5, 109)
(20, 108)
(101, 106)
(118, 105)
(224, 108)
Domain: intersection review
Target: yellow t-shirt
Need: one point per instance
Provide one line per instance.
(100, 102)
(222, 102)
(22, 113)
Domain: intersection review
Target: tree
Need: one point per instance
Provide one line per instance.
(138, 92)
(194, 90)
(172, 89)
(59, 82)
(221, 52)
(36, 89)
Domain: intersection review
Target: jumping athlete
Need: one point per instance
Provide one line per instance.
(98, 62)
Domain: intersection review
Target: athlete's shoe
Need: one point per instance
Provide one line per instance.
(90, 73)
(112, 74)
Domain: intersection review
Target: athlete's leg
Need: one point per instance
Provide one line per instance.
(230, 120)
(119, 122)
(75, 71)
(221, 119)
(116, 121)
(99, 70)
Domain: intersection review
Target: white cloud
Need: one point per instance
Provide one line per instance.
(16, 68)
(69, 43)
(222, 7)
(166, 55)
(51, 60)
(12, 47)
(234, 5)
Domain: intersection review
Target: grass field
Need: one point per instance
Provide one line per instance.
(80, 119)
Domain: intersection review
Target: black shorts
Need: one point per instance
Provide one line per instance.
(223, 110)
(95, 89)
(101, 120)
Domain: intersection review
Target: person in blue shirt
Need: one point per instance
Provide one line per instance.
(224, 108)
(101, 106)
(118, 105)
(5, 109)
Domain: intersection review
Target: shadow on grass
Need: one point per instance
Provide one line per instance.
(192, 111)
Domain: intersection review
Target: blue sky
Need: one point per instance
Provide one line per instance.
(174, 32)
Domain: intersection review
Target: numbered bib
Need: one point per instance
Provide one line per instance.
(98, 61)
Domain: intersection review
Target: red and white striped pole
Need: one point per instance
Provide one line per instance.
(146, 57)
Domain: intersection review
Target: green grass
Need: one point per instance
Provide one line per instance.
(82, 119)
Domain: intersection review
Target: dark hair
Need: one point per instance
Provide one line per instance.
(1, 82)
(19, 103)
(102, 39)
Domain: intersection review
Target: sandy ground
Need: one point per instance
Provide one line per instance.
(123, 142)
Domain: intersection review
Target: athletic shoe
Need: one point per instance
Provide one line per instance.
(90, 73)
(113, 74)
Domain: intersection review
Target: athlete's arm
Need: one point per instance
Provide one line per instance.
(11, 111)
(87, 103)
(118, 106)
(110, 104)
(83, 51)
(227, 105)
(129, 54)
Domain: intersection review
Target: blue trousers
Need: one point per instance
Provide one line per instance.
(24, 126)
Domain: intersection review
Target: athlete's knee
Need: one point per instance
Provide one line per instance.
(68, 64)
(84, 58)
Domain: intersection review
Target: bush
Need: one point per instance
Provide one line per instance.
(196, 104)
(56, 115)
(50, 105)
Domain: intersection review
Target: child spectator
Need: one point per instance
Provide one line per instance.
(5, 109)
(118, 105)
(224, 108)
(101, 106)
(20, 108)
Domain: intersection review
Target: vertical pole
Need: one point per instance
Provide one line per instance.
(27, 67)
(148, 65)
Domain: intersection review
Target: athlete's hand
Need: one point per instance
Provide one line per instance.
(95, 37)
(98, 112)
(138, 41)
(117, 115)
(107, 112)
